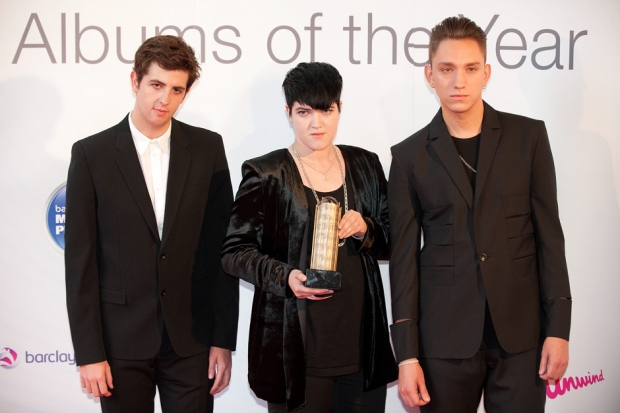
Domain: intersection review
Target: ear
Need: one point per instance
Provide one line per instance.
(487, 74)
(134, 81)
(341, 105)
(288, 113)
(428, 74)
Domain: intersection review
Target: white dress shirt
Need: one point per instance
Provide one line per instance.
(154, 156)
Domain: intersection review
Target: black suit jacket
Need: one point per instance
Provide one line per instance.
(265, 242)
(502, 243)
(121, 278)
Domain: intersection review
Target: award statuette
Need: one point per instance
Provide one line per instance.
(322, 272)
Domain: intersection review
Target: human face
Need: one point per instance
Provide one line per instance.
(315, 129)
(158, 96)
(458, 74)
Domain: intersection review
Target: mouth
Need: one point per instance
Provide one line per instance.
(160, 112)
(458, 97)
(318, 134)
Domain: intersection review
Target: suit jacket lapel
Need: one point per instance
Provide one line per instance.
(129, 165)
(297, 215)
(489, 139)
(351, 178)
(180, 159)
(441, 141)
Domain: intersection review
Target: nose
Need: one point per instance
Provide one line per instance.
(164, 97)
(317, 119)
(459, 79)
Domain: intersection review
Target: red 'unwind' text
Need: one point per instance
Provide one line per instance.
(567, 383)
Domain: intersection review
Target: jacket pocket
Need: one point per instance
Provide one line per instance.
(113, 296)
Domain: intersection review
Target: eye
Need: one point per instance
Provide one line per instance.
(177, 90)
(446, 69)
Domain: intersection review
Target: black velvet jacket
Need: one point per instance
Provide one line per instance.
(264, 244)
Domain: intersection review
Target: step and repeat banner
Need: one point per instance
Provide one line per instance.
(64, 75)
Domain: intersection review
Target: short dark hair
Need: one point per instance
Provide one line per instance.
(456, 28)
(170, 53)
(315, 84)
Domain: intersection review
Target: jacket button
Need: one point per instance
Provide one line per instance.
(162, 256)
(483, 257)
(163, 293)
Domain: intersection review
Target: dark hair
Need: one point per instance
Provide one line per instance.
(456, 28)
(170, 53)
(317, 85)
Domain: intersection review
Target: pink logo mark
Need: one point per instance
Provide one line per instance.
(566, 383)
(8, 358)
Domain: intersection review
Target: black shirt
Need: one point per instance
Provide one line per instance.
(468, 149)
(333, 326)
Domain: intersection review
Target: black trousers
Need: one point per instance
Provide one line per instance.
(183, 383)
(510, 383)
(341, 394)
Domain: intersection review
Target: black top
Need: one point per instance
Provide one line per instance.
(468, 149)
(333, 326)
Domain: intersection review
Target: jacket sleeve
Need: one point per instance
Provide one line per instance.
(217, 214)
(81, 271)
(405, 223)
(552, 270)
(376, 241)
(243, 255)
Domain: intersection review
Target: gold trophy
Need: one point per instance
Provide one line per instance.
(322, 272)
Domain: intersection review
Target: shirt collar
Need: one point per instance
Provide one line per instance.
(142, 142)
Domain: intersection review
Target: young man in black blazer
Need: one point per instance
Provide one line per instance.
(148, 204)
(485, 303)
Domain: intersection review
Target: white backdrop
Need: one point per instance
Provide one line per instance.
(61, 79)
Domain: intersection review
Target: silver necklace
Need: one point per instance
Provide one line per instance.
(467, 165)
(325, 177)
(344, 184)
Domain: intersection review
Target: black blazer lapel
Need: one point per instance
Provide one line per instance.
(180, 159)
(357, 202)
(129, 165)
(489, 139)
(298, 212)
(441, 142)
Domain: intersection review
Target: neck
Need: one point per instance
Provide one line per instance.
(145, 129)
(317, 156)
(465, 124)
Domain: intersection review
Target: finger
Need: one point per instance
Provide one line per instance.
(552, 368)
(216, 384)
(212, 364)
(103, 387)
(543, 364)
(82, 382)
(424, 396)
(94, 385)
(108, 378)
(225, 379)
(315, 298)
(88, 387)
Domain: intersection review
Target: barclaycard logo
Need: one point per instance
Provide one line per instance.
(8, 358)
(55, 216)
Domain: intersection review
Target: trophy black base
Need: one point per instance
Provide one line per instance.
(330, 280)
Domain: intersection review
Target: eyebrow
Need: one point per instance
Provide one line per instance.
(163, 83)
(453, 64)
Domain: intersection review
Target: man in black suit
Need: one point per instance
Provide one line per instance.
(148, 204)
(485, 303)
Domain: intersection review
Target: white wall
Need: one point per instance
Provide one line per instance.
(47, 106)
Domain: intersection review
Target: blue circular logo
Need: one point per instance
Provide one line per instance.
(55, 218)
